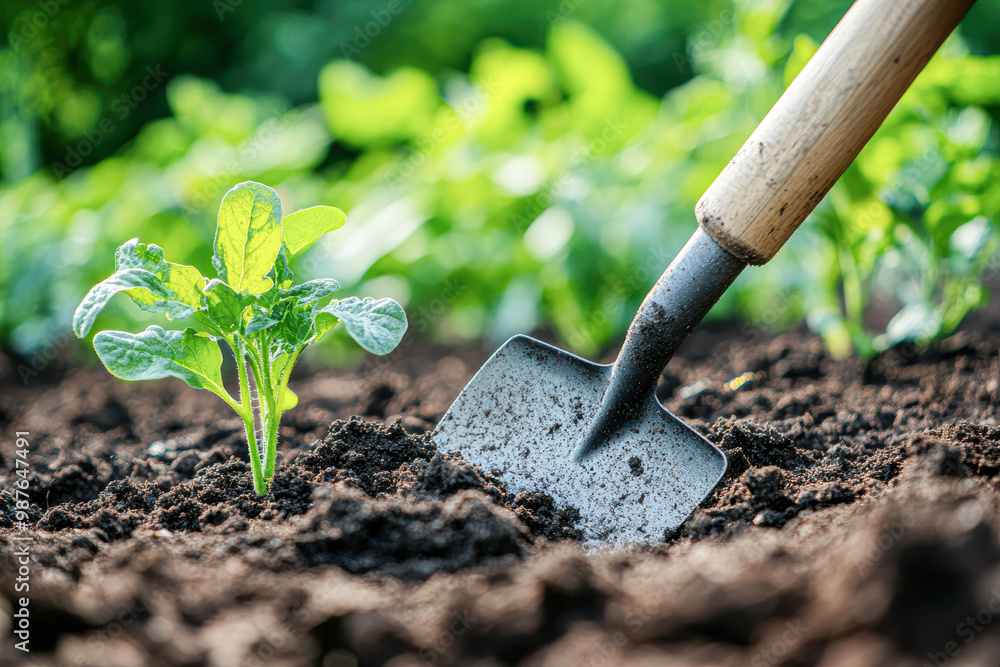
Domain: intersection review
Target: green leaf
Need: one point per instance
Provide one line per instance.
(184, 283)
(169, 306)
(366, 109)
(224, 305)
(311, 291)
(918, 321)
(155, 353)
(294, 332)
(279, 367)
(377, 326)
(248, 237)
(139, 283)
(288, 400)
(280, 272)
(278, 364)
(303, 228)
(260, 322)
(135, 255)
(281, 277)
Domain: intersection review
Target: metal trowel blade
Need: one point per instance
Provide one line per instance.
(525, 412)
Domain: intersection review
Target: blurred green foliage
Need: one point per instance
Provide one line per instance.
(503, 165)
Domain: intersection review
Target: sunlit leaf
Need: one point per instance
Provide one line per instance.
(141, 284)
(156, 353)
(303, 228)
(248, 237)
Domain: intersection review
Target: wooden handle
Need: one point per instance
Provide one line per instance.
(822, 122)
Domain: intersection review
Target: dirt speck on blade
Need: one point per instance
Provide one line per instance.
(857, 523)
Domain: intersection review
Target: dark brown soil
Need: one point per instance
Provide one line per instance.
(857, 523)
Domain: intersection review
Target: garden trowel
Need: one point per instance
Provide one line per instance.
(595, 436)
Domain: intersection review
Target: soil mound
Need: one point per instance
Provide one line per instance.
(857, 524)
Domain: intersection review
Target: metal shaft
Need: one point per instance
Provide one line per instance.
(683, 295)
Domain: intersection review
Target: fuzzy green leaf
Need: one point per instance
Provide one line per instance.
(280, 272)
(311, 291)
(153, 283)
(303, 228)
(260, 322)
(184, 283)
(294, 332)
(156, 353)
(139, 283)
(281, 278)
(279, 367)
(169, 306)
(135, 255)
(224, 305)
(377, 326)
(248, 237)
(288, 400)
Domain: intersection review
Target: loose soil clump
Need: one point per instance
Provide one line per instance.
(856, 524)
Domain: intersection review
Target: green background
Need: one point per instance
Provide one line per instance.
(504, 165)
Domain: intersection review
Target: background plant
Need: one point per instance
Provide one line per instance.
(252, 306)
(548, 162)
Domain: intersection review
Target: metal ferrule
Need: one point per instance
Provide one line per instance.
(683, 295)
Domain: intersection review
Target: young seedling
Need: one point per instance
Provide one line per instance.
(252, 306)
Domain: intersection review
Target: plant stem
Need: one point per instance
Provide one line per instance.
(271, 425)
(256, 407)
(261, 418)
(276, 412)
(248, 416)
(269, 415)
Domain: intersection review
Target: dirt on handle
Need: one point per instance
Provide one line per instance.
(856, 525)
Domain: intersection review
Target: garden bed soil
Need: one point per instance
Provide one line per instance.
(857, 523)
